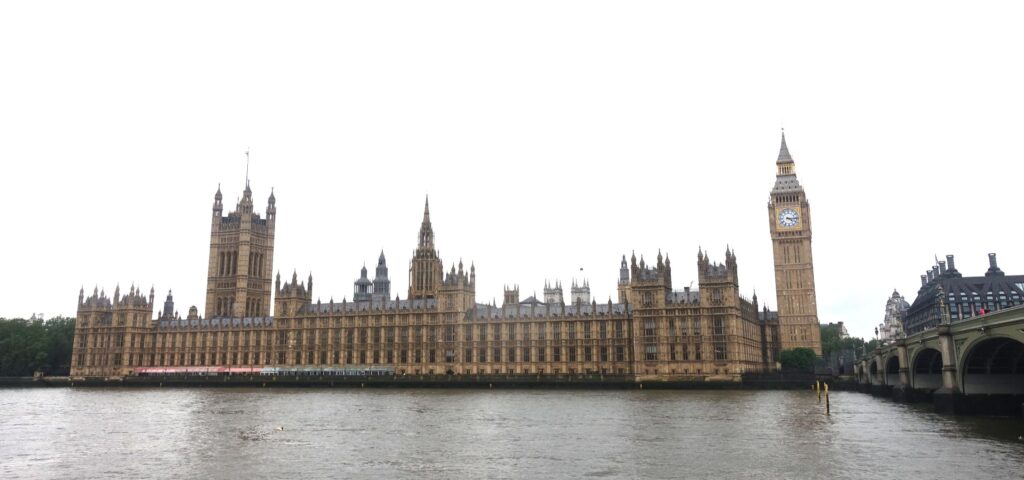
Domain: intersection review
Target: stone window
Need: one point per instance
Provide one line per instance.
(650, 327)
(720, 351)
(650, 352)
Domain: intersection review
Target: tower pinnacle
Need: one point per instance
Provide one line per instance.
(784, 156)
(426, 231)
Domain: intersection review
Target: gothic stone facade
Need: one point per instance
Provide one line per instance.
(652, 332)
(789, 218)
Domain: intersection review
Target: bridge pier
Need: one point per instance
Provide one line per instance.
(902, 392)
(947, 399)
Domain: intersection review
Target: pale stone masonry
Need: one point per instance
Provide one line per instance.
(652, 332)
(789, 218)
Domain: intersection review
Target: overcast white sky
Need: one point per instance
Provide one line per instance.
(550, 136)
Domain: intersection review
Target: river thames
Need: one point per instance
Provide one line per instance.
(435, 433)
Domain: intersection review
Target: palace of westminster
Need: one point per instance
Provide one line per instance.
(652, 332)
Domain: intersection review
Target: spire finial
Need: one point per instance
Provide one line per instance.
(246, 167)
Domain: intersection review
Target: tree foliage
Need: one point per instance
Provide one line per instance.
(30, 345)
(830, 342)
(799, 359)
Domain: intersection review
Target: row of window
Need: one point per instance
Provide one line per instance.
(680, 352)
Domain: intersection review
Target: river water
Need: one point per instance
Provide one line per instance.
(435, 433)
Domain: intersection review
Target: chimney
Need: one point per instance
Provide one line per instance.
(993, 268)
(924, 280)
(942, 268)
(950, 266)
(930, 274)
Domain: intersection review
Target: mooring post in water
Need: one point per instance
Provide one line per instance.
(827, 409)
(817, 388)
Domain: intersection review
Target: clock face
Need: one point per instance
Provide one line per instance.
(788, 217)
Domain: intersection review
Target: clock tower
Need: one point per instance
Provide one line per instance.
(789, 219)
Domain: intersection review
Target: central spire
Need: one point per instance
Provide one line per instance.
(426, 231)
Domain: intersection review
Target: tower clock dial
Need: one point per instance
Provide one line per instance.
(788, 217)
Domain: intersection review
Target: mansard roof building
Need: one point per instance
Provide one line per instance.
(946, 296)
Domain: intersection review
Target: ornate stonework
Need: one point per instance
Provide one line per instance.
(789, 218)
(651, 332)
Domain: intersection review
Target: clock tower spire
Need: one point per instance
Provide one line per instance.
(789, 220)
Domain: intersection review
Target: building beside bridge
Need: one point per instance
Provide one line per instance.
(963, 347)
(891, 327)
(652, 331)
(944, 290)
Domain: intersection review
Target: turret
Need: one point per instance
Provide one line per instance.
(168, 306)
(511, 296)
(363, 288)
(218, 205)
(271, 206)
(293, 297)
(719, 283)
(553, 294)
(648, 286)
(381, 282)
(580, 292)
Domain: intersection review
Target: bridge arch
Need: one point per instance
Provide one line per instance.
(926, 369)
(993, 364)
(873, 372)
(892, 371)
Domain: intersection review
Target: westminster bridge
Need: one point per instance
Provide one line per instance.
(972, 366)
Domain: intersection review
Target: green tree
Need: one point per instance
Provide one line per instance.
(30, 345)
(830, 341)
(799, 359)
